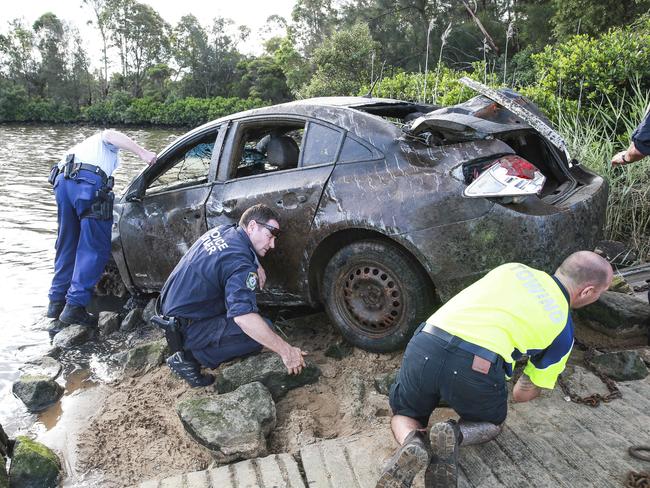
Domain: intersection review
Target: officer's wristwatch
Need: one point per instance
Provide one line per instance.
(623, 158)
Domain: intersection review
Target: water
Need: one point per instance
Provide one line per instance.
(27, 236)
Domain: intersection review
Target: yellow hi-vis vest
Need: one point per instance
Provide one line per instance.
(512, 311)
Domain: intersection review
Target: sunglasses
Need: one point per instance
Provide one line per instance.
(275, 232)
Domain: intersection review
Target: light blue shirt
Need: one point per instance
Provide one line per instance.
(96, 151)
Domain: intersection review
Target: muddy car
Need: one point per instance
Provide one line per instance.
(387, 207)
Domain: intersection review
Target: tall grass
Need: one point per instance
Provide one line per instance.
(593, 137)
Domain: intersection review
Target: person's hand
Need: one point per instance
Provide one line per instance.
(294, 360)
(261, 276)
(149, 157)
(619, 160)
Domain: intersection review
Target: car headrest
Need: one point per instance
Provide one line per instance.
(282, 151)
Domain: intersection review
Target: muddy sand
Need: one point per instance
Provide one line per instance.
(136, 434)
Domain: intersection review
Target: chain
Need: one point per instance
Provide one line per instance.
(594, 399)
(640, 479)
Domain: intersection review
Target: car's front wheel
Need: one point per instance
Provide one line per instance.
(376, 294)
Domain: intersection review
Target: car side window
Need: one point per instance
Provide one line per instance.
(354, 151)
(267, 147)
(321, 145)
(189, 166)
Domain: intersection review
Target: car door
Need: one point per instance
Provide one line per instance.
(163, 212)
(294, 193)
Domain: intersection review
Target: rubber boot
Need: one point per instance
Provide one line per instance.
(54, 309)
(189, 370)
(406, 462)
(74, 314)
(446, 438)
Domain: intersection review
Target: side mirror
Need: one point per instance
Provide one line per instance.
(137, 191)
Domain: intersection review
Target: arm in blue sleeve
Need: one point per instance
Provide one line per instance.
(544, 367)
(241, 284)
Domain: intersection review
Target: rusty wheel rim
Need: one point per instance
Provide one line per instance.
(372, 298)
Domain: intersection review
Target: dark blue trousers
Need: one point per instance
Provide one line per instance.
(216, 340)
(83, 245)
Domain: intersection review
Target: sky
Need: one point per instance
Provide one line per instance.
(252, 13)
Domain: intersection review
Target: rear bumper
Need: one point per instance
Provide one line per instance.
(533, 233)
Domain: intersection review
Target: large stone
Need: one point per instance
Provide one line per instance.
(5, 452)
(268, 369)
(149, 311)
(108, 323)
(145, 357)
(617, 315)
(44, 366)
(37, 392)
(132, 320)
(621, 366)
(233, 425)
(384, 381)
(583, 382)
(33, 465)
(74, 335)
(620, 285)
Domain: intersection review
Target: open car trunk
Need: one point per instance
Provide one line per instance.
(527, 132)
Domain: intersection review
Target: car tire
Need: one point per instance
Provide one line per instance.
(376, 294)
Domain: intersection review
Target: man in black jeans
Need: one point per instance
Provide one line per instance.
(464, 352)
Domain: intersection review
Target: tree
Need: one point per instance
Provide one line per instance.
(586, 17)
(296, 69)
(263, 78)
(17, 57)
(50, 40)
(343, 63)
(102, 19)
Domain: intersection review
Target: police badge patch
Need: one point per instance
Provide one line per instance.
(251, 281)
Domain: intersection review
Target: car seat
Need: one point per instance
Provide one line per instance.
(282, 152)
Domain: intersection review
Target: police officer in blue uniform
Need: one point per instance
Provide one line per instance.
(82, 185)
(210, 296)
(639, 147)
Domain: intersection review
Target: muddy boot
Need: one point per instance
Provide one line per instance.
(407, 461)
(74, 314)
(443, 471)
(54, 309)
(189, 370)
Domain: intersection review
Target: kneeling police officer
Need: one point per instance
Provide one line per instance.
(209, 302)
(83, 186)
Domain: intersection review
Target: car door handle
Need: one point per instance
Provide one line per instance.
(229, 206)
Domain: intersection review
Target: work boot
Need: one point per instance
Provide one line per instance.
(56, 327)
(54, 309)
(74, 314)
(445, 438)
(407, 461)
(190, 371)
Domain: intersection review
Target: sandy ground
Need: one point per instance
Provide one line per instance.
(136, 434)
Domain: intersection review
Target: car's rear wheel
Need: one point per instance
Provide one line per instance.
(376, 294)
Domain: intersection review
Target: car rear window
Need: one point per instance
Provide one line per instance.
(354, 151)
(321, 145)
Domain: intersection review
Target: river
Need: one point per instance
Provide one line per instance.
(27, 237)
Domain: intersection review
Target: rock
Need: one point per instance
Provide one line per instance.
(108, 323)
(384, 381)
(339, 350)
(621, 366)
(233, 425)
(149, 311)
(45, 366)
(73, 335)
(616, 253)
(644, 353)
(617, 315)
(34, 465)
(55, 327)
(583, 382)
(619, 285)
(145, 357)
(268, 369)
(6, 448)
(37, 392)
(132, 320)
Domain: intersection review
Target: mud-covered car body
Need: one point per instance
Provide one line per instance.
(367, 195)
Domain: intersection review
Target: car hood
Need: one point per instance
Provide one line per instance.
(503, 111)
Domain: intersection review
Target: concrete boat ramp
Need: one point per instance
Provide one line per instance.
(548, 442)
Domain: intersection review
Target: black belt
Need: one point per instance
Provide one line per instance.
(461, 343)
(73, 168)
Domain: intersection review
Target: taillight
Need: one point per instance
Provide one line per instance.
(508, 176)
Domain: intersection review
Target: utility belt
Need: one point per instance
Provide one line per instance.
(172, 327)
(102, 206)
